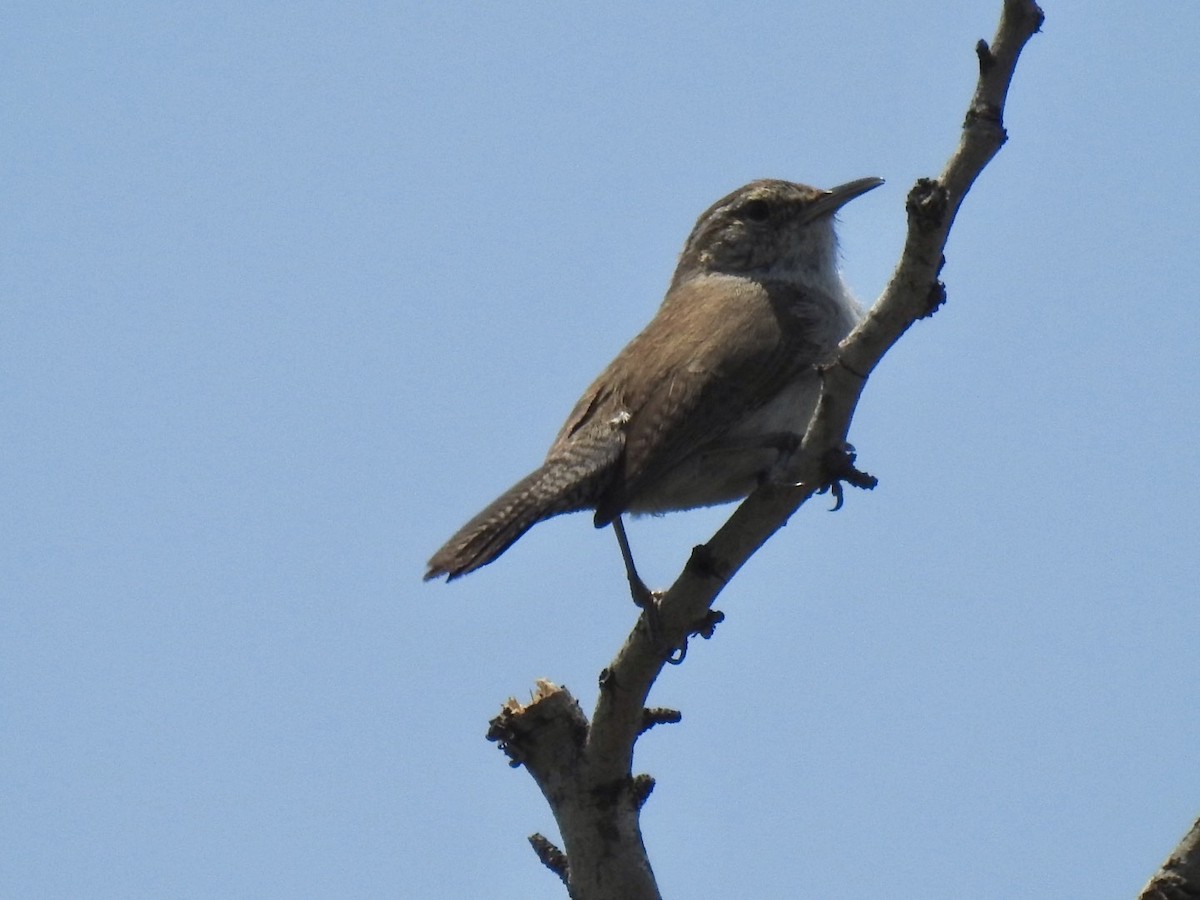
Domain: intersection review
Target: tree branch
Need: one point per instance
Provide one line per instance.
(585, 771)
(1179, 876)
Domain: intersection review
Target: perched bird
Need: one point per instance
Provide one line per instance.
(709, 401)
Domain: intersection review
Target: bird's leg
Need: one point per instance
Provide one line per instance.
(645, 599)
(642, 595)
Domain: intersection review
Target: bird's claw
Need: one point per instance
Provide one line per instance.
(648, 601)
(839, 466)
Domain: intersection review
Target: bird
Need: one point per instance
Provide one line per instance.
(710, 399)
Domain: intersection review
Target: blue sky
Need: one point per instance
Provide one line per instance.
(291, 291)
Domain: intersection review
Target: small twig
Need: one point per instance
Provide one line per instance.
(659, 715)
(551, 857)
(643, 785)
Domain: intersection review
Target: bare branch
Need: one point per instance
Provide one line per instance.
(597, 814)
(585, 771)
(1179, 877)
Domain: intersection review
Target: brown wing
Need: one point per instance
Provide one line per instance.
(717, 349)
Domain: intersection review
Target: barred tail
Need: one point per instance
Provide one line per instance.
(547, 492)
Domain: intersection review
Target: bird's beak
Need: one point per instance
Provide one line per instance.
(835, 198)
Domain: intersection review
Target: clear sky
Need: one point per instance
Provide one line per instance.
(290, 291)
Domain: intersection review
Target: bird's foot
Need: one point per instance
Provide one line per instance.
(839, 467)
(648, 601)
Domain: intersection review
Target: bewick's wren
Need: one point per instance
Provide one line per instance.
(709, 400)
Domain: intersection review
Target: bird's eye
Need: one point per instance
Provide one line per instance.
(755, 210)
